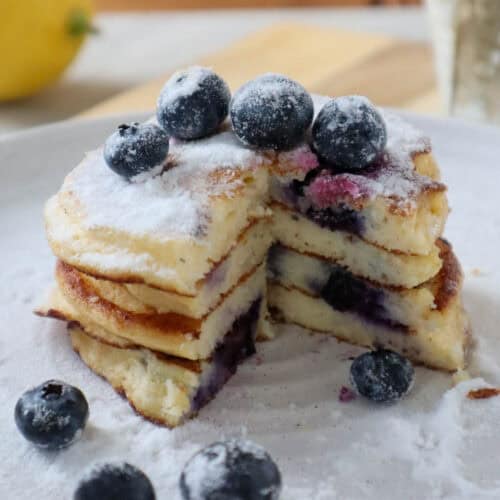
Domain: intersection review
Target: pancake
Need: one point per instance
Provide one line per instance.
(250, 250)
(165, 231)
(320, 277)
(166, 389)
(170, 333)
(165, 282)
(296, 231)
(397, 203)
(427, 324)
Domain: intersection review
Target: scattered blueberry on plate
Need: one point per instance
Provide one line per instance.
(349, 133)
(271, 112)
(193, 103)
(52, 415)
(231, 470)
(136, 148)
(115, 482)
(383, 376)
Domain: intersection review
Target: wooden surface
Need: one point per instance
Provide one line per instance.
(331, 62)
(205, 4)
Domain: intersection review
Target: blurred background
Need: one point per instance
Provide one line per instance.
(77, 58)
(199, 4)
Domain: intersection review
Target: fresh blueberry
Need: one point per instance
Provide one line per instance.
(349, 133)
(383, 376)
(136, 148)
(193, 103)
(115, 482)
(271, 112)
(52, 415)
(230, 470)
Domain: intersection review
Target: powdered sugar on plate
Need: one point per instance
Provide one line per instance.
(436, 443)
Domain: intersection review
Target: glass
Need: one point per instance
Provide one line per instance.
(467, 53)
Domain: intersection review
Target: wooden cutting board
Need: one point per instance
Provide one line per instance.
(389, 71)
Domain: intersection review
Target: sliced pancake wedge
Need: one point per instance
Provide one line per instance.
(427, 323)
(166, 389)
(93, 302)
(397, 203)
(165, 231)
(296, 231)
(248, 252)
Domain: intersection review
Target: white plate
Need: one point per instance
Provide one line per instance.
(434, 444)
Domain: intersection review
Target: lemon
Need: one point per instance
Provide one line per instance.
(38, 39)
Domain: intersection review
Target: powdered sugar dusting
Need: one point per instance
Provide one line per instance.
(397, 178)
(219, 151)
(175, 204)
(172, 205)
(353, 108)
(272, 112)
(206, 471)
(192, 77)
(46, 418)
(276, 88)
(300, 157)
(393, 176)
(209, 470)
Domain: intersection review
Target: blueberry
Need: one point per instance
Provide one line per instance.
(115, 482)
(349, 133)
(383, 376)
(136, 148)
(271, 112)
(231, 470)
(340, 218)
(193, 103)
(52, 415)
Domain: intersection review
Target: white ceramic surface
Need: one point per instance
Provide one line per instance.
(434, 444)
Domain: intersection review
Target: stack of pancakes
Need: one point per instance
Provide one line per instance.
(360, 255)
(163, 282)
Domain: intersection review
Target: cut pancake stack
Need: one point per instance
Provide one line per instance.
(163, 282)
(360, 255)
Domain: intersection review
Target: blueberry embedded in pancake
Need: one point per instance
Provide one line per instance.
(296, 231)
(167, 389)
(396, 202)
(426, 323)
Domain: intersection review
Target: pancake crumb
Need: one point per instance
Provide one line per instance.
(483, 393)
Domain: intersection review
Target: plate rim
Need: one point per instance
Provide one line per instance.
(143, 115)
